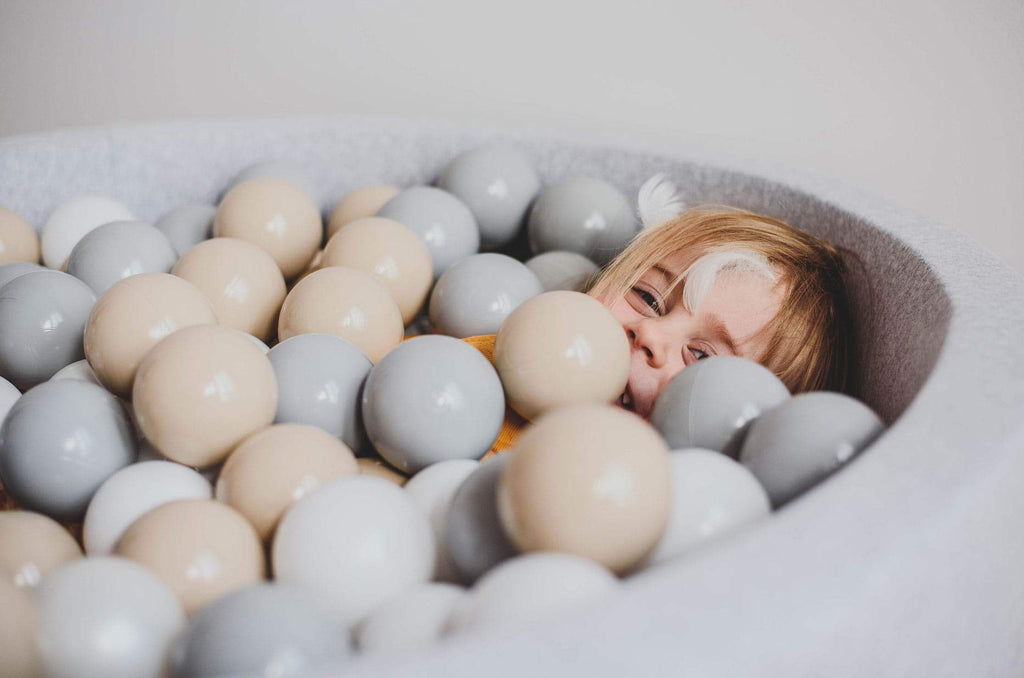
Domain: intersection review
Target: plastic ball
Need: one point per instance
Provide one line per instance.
(584, 215)
(497, 182)
(130, 493)
(415, 620)
(241, 280)
(391, 253)
(478, 293)
(78, 370)
(433, 489)
(19, 242)
(264, 630)
(276, 168)
(711, 403)
(376, 468)
(117, 250)
(133, 316)
(345, 302)
(473, 535)
(33, 546)
(9, 272)
(359, 204)
(70, 222)
(19, 628)
(798, 444)
(354, 543)
(202, 390)
(60, 441)
(443, 222)
(276, 215)
(529, 589)
(187, 225)
(9, 394)
(559, 270)
(430, 399)
(712, 496)
(201, 549)
(276, 467)
(42, 316)
(561, 348)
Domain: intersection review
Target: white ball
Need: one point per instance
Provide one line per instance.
(412, 621)
(712, 495)
(72, 220)
(355, 543)
(132, 491)
(9, 393)
(106, 617)
(530, 588)
(433, 489)
(79, 370)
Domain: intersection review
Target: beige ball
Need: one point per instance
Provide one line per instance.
(242, 281)
(201, 391)
(591, 480)
(277, 216)
(391, 253)
(345, 302)
(132, 317)
(359, 204)
(274, 468)
(560, 348)
(200, 548)
(376, 467)
(19, 630)
(18, 240)
(32, 545)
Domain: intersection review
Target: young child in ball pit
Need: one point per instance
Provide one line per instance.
(721, 281)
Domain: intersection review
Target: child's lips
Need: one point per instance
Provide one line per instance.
(627, 402)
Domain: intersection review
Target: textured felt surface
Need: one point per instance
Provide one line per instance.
(907, 562)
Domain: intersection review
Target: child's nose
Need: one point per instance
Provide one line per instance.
(644, 337)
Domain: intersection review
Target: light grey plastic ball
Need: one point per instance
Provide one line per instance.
(187, 225)
(9, 272)
(477, 293)
(443, 222)
(277, 168)
(263, 630)
(58, 444)
(561, 270)
(320, 383)
(498, 182)
(115, 251)
(474, 537)
(42, 320)
(430, 399)
(801, 442)
(584, 215)
(711, 403)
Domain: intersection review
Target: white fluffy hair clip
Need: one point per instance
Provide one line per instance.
(659, 201)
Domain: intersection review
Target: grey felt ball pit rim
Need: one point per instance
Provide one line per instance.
(904, 563)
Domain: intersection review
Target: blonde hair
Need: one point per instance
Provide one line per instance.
(809, 347)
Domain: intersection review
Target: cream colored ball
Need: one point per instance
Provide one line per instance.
(359, 204)
(389, 252)
(276, 467)
(276, 215)
(241, 280)
(591, 480)
(561, 348)
(19, 633)
(32, 546)
(377, 468)
(201, 391)
(345, 302)
(18, 240)
(133, 316)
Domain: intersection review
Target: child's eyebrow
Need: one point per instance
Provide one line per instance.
(719, 330)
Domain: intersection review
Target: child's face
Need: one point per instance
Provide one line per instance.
(664, 337)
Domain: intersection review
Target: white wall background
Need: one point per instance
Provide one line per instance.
(921, 101)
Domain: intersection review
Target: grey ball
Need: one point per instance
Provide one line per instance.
(58, 444)
(9, 272)
(320, 383)
(711, 403)
(42, 320)
(561, 270)
(118, 250)
(430, 399)
(584, 215)
(443, 222)
(477, 293)
(474, 537)
(269, 629)
(277, 168)
(497, 182)
(796, 445)
(187, 225)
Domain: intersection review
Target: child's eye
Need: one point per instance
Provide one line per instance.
(648, 299)
(699, 354)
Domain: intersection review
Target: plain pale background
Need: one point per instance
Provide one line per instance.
(921, 102)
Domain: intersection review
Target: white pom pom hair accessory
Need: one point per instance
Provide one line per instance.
(659, 201)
